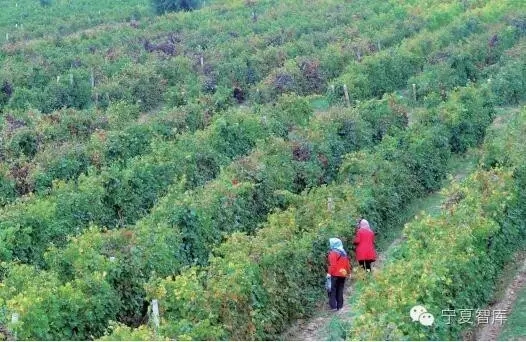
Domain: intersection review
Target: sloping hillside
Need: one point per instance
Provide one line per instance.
(201, 160)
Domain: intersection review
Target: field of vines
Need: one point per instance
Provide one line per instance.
(201, 160)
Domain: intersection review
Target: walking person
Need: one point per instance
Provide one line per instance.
(339, 269)
(364, 241)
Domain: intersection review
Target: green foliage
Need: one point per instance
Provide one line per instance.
(505, 149)
(163, 6)
(481, 224)
(292, 110)
(137, 132)
(23, 142)
(478, 231)
(74, 93)
(237, 200)
(7, 187)
(121, 113)
(257, 283)
(467, 114)
(132, 141)
(67, 164)
(40, 299)
(509, 85)
(121, 332)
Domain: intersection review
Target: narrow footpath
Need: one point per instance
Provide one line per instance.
(327, 325)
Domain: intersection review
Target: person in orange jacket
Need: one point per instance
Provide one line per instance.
(339, 269)
(364, 241)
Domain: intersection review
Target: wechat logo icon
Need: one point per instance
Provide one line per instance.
(420, 314)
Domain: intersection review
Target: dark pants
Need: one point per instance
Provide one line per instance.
(366, 264)
(336, 297)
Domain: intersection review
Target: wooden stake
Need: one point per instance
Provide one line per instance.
(14, 320)
(330, 204)
(346, 93)
(155, 314)
(92, 78)
(414, 92)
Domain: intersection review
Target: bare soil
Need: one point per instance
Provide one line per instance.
(490, 332)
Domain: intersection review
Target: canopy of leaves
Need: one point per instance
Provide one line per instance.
(163, 6)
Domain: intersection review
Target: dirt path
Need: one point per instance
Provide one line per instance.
(490, 332)
(5, 334)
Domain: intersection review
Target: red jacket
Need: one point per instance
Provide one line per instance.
(364, 241)
(339, 265)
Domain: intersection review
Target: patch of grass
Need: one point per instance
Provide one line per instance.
(319, 103)
(515, 327)
(459, 167)
(337, 329)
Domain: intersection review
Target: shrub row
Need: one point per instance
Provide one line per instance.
(444, 64)
(43, 148)
(119, 196)
(476, 59)
(255, 285)
(481, 224)
(244, 54)
(183, 228)
(64, 166)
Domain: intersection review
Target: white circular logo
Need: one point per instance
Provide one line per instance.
(426, 319)
(416, 311)
(419, 313)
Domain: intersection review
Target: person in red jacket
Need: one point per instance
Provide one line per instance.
(339, 269)
(364, 241)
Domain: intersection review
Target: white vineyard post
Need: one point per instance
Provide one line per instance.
(92, 78)
(155, 315)
(14, 320)
(346, 93)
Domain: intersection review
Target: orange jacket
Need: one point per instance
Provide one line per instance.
(339, 265)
